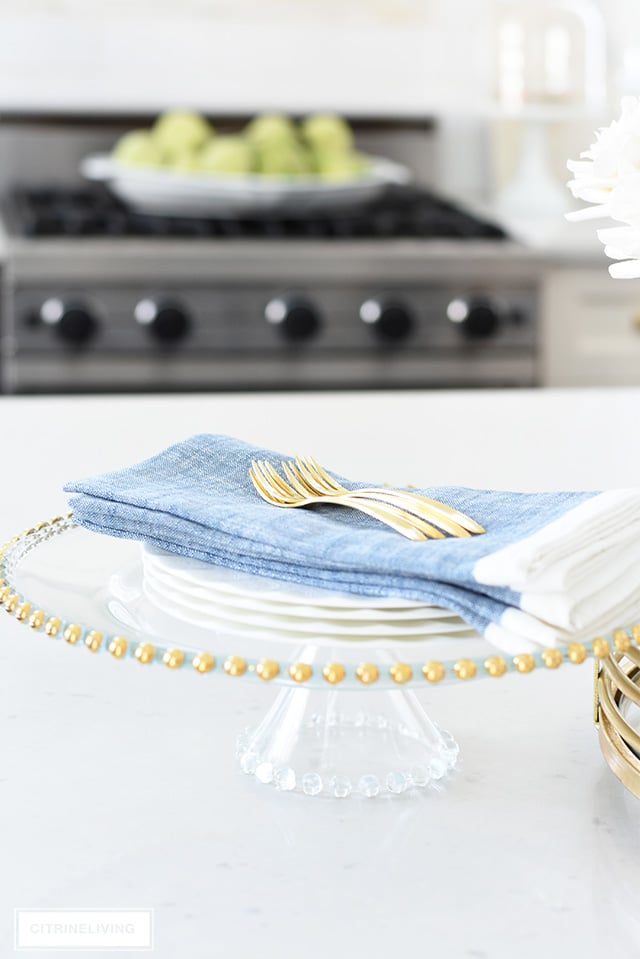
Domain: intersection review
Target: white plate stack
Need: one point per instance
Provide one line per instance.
(241, 603)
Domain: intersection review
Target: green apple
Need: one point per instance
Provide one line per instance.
(226, 154)
(283, 159)
(178, 131)
(186, 161)
(327, 133)
(268, 128)
(346, 165)
(137, 148)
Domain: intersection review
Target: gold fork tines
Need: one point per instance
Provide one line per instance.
(416, 517)
(272, 488)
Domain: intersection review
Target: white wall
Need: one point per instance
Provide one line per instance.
(235, 56)
(623, 22)
(360, 56)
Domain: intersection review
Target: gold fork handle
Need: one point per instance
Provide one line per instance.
(415, 508)
(390, 511)
(406, 523)
(401, 522)
(430, 506)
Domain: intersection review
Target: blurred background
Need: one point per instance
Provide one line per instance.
(411, 234)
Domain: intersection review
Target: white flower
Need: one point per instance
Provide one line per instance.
(607, 175)
(622, 243)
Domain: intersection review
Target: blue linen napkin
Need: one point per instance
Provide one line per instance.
(196, 499)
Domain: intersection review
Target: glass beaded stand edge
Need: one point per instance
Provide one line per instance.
(340, 743)
(338, 727)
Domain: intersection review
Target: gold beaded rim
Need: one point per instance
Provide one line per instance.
(266, 669)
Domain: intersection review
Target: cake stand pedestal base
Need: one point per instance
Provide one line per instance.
(340, 743)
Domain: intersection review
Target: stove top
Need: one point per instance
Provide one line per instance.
(93, 212)
(325, 302)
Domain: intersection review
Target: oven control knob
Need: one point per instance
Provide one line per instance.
(295, 319)
(166, 322)
(389, 320)
(73, 322)
(476, 318)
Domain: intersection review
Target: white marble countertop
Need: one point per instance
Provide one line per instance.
(118, 787)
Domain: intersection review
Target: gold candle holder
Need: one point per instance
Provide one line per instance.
(617, 691)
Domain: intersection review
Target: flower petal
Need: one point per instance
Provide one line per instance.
(628, 270)
(607, 175)
(621, 238)
(587, 213)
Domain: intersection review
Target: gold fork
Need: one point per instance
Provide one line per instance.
(317, 480)
(274, 489)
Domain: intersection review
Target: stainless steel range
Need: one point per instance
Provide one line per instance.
(411, 291)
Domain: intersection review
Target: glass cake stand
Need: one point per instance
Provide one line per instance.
(346, 719)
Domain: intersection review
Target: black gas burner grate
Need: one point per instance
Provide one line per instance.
(402, 212)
